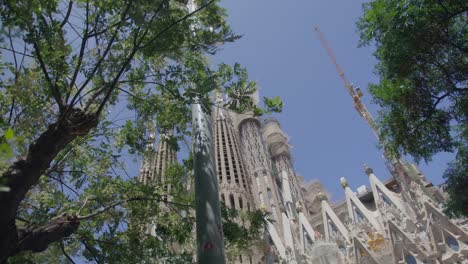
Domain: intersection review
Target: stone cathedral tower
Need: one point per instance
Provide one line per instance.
(256, 153)
(234, 183)
(155, 162)
(380, 225)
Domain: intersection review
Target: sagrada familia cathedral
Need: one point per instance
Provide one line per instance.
(395, 221)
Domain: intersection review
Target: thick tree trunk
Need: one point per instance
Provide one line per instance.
(38, 237)
(25, 173)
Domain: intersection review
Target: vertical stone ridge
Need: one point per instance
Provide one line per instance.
(156, 162)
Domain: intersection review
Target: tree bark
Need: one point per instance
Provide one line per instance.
(25, 173)
(38, 237)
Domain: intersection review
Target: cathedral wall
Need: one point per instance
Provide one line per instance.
(258, 163)
(233, 182)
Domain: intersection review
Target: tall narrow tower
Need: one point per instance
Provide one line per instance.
(264, 185)
(155, 163)
(279, 149)
(165, 156)
(234, 186)
(146, 174)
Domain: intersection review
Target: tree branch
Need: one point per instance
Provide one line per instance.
(138, 47)
(17, 52)
(11, 110)
(64, 184)
(62, 247)
(13, 49)
(38, 237)
(104, 55)
(95, 34)
(162, 32)
(67, 15)
(113, 84)
(433, 108)
(106, 208)
(443, 7)
(25, 173)
(90, 251)
(84, 40)
(53, 88)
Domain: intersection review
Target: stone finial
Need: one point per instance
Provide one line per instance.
(343, 182)
(322, 197)
(299, 206)
(368, 170)
(262, 208)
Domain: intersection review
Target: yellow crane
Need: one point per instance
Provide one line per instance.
(355, 92)
(394, 164)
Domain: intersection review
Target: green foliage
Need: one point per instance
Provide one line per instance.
(274, 104)
(6, 153)
(238, 238)
(131, 63)
(421, 49)
(457, 181)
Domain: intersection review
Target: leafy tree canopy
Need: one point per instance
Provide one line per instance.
(80, 81)
(423, 92)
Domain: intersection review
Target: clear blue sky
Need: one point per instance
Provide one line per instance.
(282, 53)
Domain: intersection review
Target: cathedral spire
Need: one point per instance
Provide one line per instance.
(146, 169)
(155, 162)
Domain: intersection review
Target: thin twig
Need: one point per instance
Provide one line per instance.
(81, 53)
(17, 52)
(62, 247)
(43, 67)
(67, 15)
(90, 251)
(64, 184)
(101, 59)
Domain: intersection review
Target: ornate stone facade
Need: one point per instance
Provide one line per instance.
(381, 225)
(389, 223)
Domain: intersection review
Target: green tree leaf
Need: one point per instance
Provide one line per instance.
(421, 50)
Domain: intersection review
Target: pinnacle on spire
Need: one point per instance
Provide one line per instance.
(322, 197)
(151, 126)
(219, 97)
(368, 170)
(344, 182)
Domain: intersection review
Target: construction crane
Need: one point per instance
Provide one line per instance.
(355, 92)
(394, 164)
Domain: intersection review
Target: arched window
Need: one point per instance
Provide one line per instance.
(385, 199)
(257, 179)
(273, 212)
(270, 194)
(231, 200)
(358, 216)
(241, 204)
(262, 200)
(410, 259)
(342, 249)
(452, 243)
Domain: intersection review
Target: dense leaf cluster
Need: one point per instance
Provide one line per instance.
(80, 82)
(423, 92)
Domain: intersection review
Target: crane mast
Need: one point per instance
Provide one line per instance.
(355, 93)
(394, 164)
